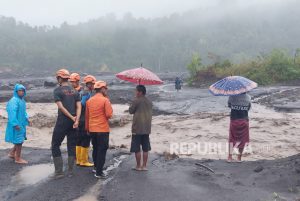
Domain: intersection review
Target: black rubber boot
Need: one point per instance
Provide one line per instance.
(58, 165)
(71, 163)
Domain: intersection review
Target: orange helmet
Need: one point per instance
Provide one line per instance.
(89, 78)
(63, 73)
(100, 84)
(74, 77)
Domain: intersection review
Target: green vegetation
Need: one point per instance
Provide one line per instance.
(163, 44)
(275, 67)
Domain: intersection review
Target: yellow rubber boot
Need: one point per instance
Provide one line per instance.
(85, 158)
(78, 155)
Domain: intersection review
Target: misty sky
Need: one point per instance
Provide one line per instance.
(55, 12)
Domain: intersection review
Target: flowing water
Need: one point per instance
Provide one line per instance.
(95, 191)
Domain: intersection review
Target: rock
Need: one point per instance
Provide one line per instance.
(30, 86)
(6, 88)
(168, 156)
(50, 84)
(258, 169)
(119, 121)
(42, 121)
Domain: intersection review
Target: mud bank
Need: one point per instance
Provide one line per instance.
(185, 179)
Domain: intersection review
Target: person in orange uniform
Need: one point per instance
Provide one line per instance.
(84, 140)
(98, 112)
(75, 81)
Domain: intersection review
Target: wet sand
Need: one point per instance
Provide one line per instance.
(272, 134)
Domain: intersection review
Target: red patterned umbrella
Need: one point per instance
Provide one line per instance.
(140, 76)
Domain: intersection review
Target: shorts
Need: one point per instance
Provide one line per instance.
(139, 140)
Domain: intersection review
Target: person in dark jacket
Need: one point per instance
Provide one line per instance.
(178, 83)
(141, 108)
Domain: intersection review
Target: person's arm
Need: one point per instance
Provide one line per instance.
(78, 113)
(87, 119)
(132, 107)
(84, 99)
(65, 111)
(229, 102)
(12, 109)
(108, 109)
(28, 120)
(249, 106)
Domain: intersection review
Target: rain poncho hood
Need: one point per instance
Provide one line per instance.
(17, 116)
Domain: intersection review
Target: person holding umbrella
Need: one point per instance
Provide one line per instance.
(236, 87)
(141, 108)
(239, 123)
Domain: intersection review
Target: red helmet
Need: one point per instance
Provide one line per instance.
(63, 73)
(89, 78)
(74, 77)
(100, 84)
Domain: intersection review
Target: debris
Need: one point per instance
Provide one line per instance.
(204, 166)
(168, 156)
(258, 169)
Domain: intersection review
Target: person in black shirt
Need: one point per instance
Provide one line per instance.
(69, 110)
(239, 124)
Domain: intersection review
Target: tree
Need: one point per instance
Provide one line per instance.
(195, 65)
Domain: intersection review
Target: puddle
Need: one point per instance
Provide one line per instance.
(28, 176)
(31, 175)
(94, 192)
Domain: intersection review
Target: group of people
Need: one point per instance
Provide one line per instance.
(83, 117)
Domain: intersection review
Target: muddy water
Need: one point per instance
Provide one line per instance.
(28, 176)
(32, 174)
(187, 101)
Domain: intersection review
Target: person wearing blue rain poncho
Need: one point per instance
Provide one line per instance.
(17, 122)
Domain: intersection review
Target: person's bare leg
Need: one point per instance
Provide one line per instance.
(18, 158)
(138, 157)
(230, 159)
(145, 159)
(239, 158)
(12, 152)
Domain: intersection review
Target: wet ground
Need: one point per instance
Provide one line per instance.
(34, 183)
(179, 179)
(175, 179)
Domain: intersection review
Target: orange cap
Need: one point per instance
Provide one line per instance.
(63, 73)
(100, 84)
(89, 78)
(74, 77)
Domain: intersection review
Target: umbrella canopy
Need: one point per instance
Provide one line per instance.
(139, 76)
(232, 85)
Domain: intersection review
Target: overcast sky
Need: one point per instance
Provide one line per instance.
(55, 12)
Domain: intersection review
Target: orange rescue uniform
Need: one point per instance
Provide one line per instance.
(98, 111)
